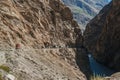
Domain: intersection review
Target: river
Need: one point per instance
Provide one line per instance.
(99, 69)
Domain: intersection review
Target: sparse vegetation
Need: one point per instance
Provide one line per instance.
(97, 77)
(1, 77)
(5, 68)
(77, 9)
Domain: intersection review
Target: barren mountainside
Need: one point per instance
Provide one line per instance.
(38, 40)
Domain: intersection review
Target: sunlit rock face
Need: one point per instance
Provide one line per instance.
(38, 40)
(102, 35)
(37, 23)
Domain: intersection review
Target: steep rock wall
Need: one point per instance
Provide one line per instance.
(102, 36)
(36, 23)
(33, 41)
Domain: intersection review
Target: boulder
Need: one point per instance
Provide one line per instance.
(9, 77)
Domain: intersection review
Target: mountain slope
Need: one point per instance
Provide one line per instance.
(85, 10)
(36, 41)
(102, 35)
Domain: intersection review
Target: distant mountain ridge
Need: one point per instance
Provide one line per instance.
(85, 10)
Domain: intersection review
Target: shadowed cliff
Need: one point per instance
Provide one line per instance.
(102, 36)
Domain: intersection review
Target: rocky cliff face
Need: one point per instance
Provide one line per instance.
(33, 41)
(85, 10)
(37, 23)
(102, 35)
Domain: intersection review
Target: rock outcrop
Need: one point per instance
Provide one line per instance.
(34, 35)
(115, 76)
(102, 35)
